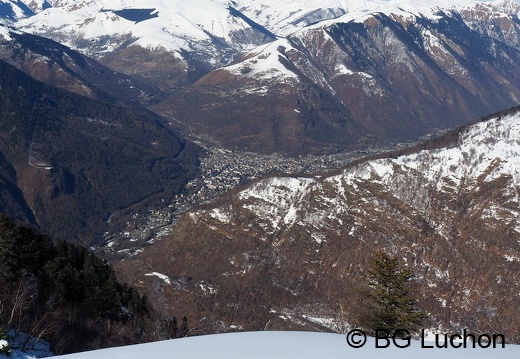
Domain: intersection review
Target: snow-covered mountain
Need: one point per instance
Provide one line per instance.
(13, 10)
(175, 24)
(168, 43)
(285, 18)
(301, 76)
(285, 251)
(63, 67)
(202, 31)
(369, 76)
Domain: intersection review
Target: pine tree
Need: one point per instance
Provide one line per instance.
(390, 304)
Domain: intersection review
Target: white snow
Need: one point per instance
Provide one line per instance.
(192, 25)
(361, 10)
(485, 151)
(206, 288)
(284, 345)
(274, 199)
(286, 17)
(491, 147)
(17, 355)
(264, 62)
(39, 5)
(220, 215)
(343, 70)
(199, 26)
(4, 33)
(164, 277)
(178, 25)
(3, 344)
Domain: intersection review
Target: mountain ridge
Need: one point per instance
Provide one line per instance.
(313, 77)
(78, 161)
(354, 84)
(293, 246)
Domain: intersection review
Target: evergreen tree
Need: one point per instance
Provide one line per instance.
(390, 304)
(64, 294)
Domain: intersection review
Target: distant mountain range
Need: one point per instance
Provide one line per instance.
(361, 80)
(284, 252)
(304, 77)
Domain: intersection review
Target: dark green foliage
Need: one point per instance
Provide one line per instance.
(64, 294)
(389, 303)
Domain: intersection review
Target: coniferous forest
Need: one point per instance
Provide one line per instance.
(65, 295)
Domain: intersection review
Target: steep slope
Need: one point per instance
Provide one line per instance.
(284, 18)
(367, 77)
(286, 251)
(168, 43)
(62, 67)
(12, 11)
(75, 161)
(346, 75)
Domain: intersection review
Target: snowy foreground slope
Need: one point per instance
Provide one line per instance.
(282, 345)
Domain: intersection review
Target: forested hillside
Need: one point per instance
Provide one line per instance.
(286, 252)
(68, 162)
(65, 295)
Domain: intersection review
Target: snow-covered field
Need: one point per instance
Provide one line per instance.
(283, 345)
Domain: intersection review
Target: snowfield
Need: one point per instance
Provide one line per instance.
(283, 345)
(177, 25)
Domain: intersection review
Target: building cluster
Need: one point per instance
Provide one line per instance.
(221, 170)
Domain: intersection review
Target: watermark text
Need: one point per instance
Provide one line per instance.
(402, 338)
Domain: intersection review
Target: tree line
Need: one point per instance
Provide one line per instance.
(65, 295)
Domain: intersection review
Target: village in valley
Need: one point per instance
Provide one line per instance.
(222, 170)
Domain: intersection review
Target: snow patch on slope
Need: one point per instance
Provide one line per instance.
(164, 277)
(4, 33)
(485, 152)
(274, 199)
(220, 215)
(283, 17)
(265, 62)
(491, 147)
(360, 10)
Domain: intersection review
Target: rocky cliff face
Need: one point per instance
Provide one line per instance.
(285, 251)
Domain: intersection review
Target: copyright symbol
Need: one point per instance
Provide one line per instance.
(356, 338)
